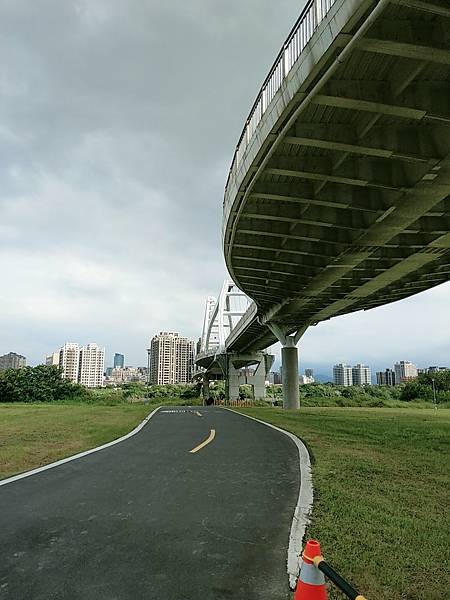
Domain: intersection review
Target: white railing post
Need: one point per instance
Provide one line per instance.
(319, 11)
(286, 65)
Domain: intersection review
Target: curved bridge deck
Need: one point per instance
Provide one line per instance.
(338, 196)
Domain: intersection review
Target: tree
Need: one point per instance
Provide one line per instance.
(37, 384)
(422, 387)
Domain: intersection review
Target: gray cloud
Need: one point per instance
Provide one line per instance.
(119, 120)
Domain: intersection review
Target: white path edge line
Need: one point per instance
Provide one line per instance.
(80, 454)
(302, 512)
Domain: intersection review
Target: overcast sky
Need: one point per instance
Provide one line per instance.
(118, 122)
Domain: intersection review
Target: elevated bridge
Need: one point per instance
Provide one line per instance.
(214, 360)
(337, 198)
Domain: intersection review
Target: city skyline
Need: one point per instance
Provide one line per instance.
(340, 373)
(322, 368)
(91, 141)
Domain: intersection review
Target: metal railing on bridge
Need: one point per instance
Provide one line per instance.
(302, 32)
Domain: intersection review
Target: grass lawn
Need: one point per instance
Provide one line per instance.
(381, 482)
(32, 435)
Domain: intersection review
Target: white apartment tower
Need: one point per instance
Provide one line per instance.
(342, 374)
(83, 365)
(404, 371)
(92, 366)
(361, 375)
(170, 359)
(69, 360)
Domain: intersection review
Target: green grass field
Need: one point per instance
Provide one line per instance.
(32, 435)
(381, 483)
(381, 479)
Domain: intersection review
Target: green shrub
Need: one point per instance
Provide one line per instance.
(38, 384)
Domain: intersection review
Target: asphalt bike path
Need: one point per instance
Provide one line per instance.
(150, 519)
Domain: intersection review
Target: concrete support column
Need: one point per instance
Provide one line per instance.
(231, 382)
(259, 381)
(291, 396)
(289, 359)
(205, 388)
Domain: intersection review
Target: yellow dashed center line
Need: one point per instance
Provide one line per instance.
(209, 439)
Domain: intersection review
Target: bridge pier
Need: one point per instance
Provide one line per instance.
(232, 365)
(289, 361)
(291, 395)
(205, 387)
(259, 382)
(232, 382)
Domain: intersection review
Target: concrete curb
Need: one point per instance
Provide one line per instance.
(80, 454)
(302, 511)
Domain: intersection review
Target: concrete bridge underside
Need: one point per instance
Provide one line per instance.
(340, 201)
(228, 366)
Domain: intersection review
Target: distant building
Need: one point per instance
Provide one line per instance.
(83, 365)
(274, 377)
(386, 377)
(170, 359)
(342, 374)
(437, 369)
(92, 366)
(308, 377)
(12, 361)
(143, 373)
(52, 359)
(404, 371)
(361, 375)
(69, 360)
(119, 361)
(118, 375)
(277, 378)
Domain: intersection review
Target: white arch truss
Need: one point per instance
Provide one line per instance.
(221, 316)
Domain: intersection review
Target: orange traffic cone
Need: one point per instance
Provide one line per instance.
(311, 581)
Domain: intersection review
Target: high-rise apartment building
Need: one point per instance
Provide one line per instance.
(170, 359)
(386, 377)
(342, 374)
(12, 361)
(69, 361)
(361, 375)
(92, 366)
(404, 371)
(83, 365)
(119, 361)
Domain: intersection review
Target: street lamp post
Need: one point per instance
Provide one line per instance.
(434, 393)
